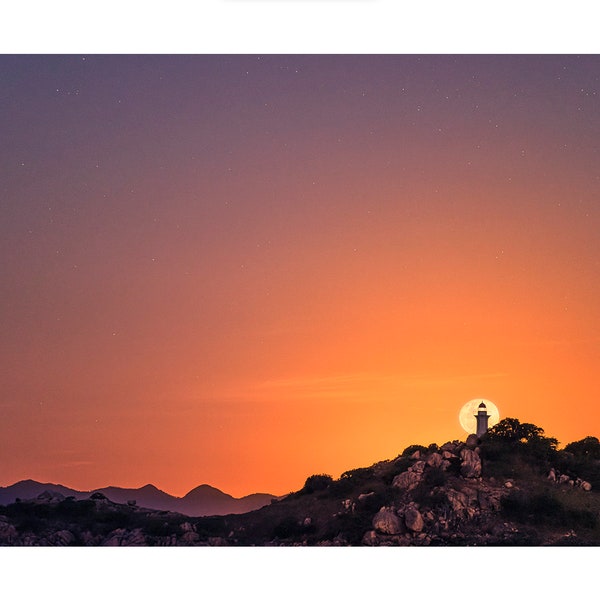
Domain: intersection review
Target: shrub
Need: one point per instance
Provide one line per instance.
(288, 527)
(542, 508)
(316, 483)
(511, 445)
(412, 449)
(588, 447)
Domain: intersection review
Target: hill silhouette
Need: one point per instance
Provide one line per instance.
(511, 487)
(202, 500)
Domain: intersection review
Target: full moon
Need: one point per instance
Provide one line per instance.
(467, 413)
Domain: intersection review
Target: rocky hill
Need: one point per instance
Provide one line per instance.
(510, 487)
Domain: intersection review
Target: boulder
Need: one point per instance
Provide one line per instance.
(448, 447)
(470, 466)
(123, 537)
(413, 519)
(370, 538)
(418, 467)
(362, 497)
(458, 501)
(446, 455)
(61, 538)
(586, 485)
(435, 460)
(386, 521)
(472, 441)
(552, 475)
(189, 538)
(407, 480)
(8, 533)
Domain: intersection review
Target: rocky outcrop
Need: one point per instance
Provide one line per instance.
(122, 537)
(470, 465)
(386, 521)
(408, 480)
(413, 519)
(563, 479)
(434, 460)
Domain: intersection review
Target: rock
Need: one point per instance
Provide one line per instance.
(370, 538)
(89, 539)
(407, 480)
(563, 479)
(435, 460)
(122, 537)
(348, 505)
(413, 519)
(307, 522)
(187, 527)
(448, 447)
(416, 455)
(552, 475)
(8, 533)
(445, 464)
(458, 501)
(418, 467)
(446, 455)
(472, 441)
(386, 521)
(508, 484)
(61, 538)
(471, 463)
(189, 538)
(586, 485)
(217, 541)
(362, 497)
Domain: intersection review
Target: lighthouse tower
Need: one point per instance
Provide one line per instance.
(482, 419)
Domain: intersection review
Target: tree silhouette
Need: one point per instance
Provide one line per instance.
(588, 447)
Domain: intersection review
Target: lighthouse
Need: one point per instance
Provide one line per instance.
(482, 419)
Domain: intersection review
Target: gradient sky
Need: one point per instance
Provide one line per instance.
(243, 270)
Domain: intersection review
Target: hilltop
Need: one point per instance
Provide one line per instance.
(512, 486)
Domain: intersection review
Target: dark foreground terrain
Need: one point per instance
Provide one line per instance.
(511, 487)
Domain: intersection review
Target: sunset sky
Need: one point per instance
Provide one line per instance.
(242, 270)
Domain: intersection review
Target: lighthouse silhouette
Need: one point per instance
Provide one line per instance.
(482, 419)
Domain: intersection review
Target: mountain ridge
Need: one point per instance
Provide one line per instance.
(202, 500)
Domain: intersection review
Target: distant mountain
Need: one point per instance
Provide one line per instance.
(215, 502)
(148, 496)
(28, 489)
(203, 500)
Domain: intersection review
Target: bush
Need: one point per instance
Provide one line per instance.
(288, 527)
(316, 483)
(542, 508)
(511, 447)
(588, 447)
(412, 449)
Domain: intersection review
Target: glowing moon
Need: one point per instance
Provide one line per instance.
(467, 413)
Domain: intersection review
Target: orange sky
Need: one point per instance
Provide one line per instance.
(245, 270)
